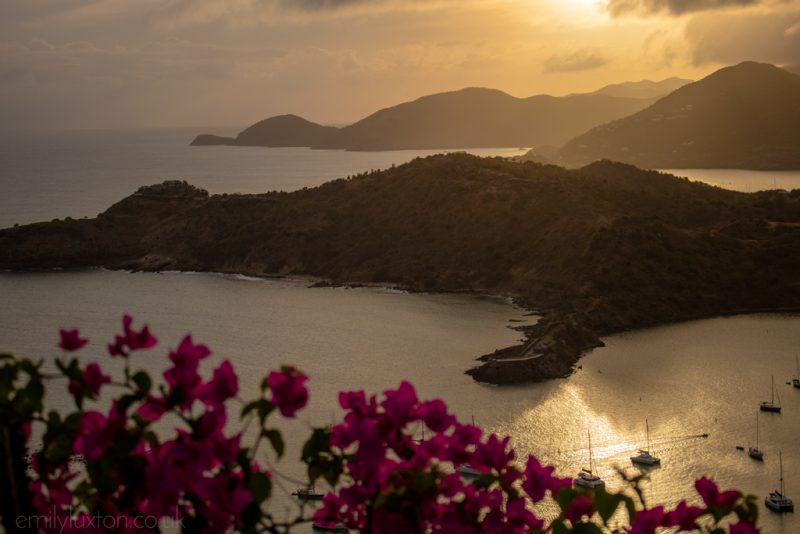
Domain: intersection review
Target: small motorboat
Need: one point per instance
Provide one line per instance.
(587, 479)
(328, 526)
(796, 379)
(468, 471)
(644, 457)
(777, 501)
(308, 493)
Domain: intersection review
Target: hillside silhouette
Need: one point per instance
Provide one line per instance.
(597, 250)
(469, 118)
(643, 88)
(744, 117)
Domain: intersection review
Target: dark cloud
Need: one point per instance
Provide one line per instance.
(333, 5)
(575, 61)
(320, 5)
(731, 38)
(673, 7)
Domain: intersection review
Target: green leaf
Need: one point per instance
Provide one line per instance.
(565, 496)
(262, 407)
(316, 444)
(275, 439)
(251, 515)
(559, 527)
(261, 486)
(606, 503)
(586, 528)
(143, 382)
(630, 505)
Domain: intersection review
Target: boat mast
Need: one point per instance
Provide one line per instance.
(647, 433)
(773, 390)
(780, 462)
(756, 429)
(591, 467)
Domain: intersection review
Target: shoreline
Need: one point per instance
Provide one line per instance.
(552, 348)
(596, 251)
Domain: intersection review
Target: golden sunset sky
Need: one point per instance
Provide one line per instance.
(149, 63)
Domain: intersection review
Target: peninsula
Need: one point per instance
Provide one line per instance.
(469, 118)
(596, 250)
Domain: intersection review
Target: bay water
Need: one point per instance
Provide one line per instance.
(687, 380)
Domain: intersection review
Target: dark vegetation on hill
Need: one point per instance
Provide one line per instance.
(469, 118)
(597, 250)
(744, 117)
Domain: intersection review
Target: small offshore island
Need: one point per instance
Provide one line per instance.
(596, 250)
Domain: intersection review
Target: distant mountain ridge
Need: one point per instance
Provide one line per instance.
(469, 118)
(745, 116)
(643, 88)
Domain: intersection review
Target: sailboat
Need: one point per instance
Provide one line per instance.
(796, 379)
(586, 477)
(754, 452)
(771, 406)
(644, 457)
(777, 501)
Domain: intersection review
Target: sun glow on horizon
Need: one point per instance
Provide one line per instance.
(584, 12)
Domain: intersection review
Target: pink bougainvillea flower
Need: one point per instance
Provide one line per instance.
(222, 386)
(137, 340)
(152, 409)
(331, 511)
(289, 393)
(434, 414)
(97, 432)
(712, 497)
(183, 377)
(399, 403)
(91, 380)
(539, 479)
(94, 378)
(131, 339)
(744, 527)
(71, 340)
(494, 454)
(580, 506)
(684, 516)
(521, 519)
(647, 521)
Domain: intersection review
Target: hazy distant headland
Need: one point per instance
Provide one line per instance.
(601, 249)
(469, 118)
(741, 117)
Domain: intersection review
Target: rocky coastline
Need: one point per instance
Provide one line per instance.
(598, 250)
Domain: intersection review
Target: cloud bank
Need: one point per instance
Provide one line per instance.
(619, 8)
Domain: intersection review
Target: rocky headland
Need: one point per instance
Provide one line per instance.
(596, 250)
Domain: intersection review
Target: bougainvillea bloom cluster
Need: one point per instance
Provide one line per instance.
(392, 463)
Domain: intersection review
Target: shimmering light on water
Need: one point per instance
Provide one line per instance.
(687, 379)
(745, 181)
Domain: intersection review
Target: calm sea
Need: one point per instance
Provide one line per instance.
(47, 175)
(702, 377)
